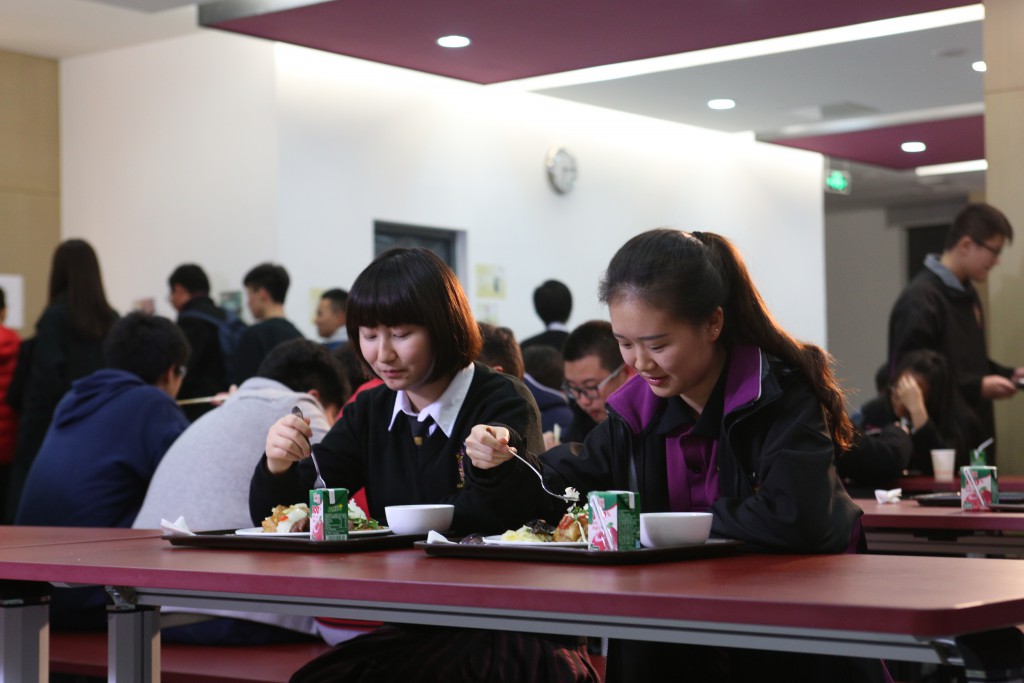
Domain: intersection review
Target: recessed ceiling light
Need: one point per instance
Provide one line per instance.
(980, 66)
(453, 41)
(723, 103)
(913, 147)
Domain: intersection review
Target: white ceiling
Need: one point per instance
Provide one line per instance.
(856, 79)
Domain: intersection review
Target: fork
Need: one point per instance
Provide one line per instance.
(319, 483)
(568, 499)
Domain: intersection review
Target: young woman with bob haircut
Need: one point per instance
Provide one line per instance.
(412, 328)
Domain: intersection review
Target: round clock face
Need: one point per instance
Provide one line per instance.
(561, 167)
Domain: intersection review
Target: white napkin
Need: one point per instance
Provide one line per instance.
(434, 537)
(883, 496)
(179, 527)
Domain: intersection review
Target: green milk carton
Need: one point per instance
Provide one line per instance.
(979, 488)
(328, 514)
(614, 520)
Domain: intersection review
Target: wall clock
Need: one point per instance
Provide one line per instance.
(561, 168)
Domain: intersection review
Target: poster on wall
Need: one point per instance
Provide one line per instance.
(490, 281)
(14, 292)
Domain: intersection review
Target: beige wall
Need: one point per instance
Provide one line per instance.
(29, 174)
(1004, 143)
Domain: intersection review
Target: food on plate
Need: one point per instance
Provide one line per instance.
(573, 526)
(537, 531)
(357, 519)
(290, 519)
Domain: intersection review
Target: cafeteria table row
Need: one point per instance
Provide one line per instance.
(907, 527)
(923, 609)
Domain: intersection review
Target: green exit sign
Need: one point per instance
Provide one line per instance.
(837, 181)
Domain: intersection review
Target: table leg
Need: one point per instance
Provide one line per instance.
(133, 640)
(24, 632)
(993, 656)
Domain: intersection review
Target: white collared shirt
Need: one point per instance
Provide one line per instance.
(445, 409)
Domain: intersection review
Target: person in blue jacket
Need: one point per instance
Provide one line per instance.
(108, 435)
(727, 413)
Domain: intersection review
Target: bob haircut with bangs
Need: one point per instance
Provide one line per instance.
(415, 287)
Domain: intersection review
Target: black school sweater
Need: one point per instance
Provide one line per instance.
(360, 451)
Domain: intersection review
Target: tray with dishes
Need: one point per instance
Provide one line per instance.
(1010, 500)
(287, 528)
(537, 541)
(577, 553)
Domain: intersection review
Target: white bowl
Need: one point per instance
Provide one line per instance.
(660, 529)
(419, 519)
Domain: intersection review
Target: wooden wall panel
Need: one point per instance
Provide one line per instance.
(29, 174)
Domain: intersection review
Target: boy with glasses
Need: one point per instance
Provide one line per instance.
(593, 371)
(940, 310)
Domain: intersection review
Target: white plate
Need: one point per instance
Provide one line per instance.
(497, 540)
(370, 532)
(258, 531)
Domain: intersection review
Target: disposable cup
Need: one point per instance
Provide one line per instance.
(942, 463)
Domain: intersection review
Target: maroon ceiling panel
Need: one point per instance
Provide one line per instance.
(948, 141)
(521, 38)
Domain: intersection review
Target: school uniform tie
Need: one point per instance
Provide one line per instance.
(420, 429)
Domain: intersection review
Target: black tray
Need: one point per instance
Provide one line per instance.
(227, 539)
(953, 499)
(715, 547)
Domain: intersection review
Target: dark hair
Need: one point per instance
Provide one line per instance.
(978, 222)
(3, 299)
(501, 348)
(302, 364)
(337, 297)
(553, 301)
(145, 345)
(544, 364)
(882, 379)
(75, 278)
(354, 370)
(271, 277)
(594, 338)
(943, 401)
(415, 287)
(192, 278)
(689, 275)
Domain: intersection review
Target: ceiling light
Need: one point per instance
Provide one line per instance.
(453, 41)
(913, 147)
(723, 103)
(980, 66)
(958, 167)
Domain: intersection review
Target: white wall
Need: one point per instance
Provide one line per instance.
(865, 266)
(229, 151)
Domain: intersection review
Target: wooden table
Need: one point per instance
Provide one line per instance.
(904, 608)
(907, 527)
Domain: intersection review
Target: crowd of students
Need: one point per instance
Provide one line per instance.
(690, 394)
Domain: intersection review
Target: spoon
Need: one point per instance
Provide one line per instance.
(319, 483)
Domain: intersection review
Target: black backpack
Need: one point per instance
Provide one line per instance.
(229, 332)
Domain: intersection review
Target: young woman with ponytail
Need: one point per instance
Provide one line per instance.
(728, 414)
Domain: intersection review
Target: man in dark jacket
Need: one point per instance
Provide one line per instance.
(266, 286)
(197, 316)
(940, 310)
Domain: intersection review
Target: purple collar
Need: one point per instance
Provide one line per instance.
(638, 405)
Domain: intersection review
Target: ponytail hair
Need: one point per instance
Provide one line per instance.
(689, 275)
